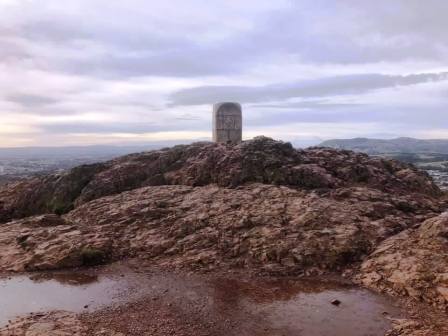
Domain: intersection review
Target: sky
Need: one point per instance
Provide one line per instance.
(81, 72)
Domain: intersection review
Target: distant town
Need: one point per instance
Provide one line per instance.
(19, 163)
(429, 155)
(15, 169)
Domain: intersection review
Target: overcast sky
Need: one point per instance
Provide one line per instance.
(135, 71)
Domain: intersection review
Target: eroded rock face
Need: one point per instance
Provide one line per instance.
(40, 195)
(266, 227)
(48, 242)
(413, 263)
(261, 160)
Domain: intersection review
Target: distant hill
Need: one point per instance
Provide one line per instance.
(381, 146)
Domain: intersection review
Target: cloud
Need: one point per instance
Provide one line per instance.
(331, 86)
(223, 38)
(150, 39)
(307, 104)
(114, 127)
(29, 100)
(101, 67)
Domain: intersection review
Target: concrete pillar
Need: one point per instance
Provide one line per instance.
(227, 123)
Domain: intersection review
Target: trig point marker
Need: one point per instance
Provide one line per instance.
(227, 123)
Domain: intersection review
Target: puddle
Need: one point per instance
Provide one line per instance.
(360, 313)
(21, 295)
(301, 307)
(259, 306)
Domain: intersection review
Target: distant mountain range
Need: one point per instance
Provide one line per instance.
(381, 146)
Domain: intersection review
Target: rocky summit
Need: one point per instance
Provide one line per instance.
(261, 205)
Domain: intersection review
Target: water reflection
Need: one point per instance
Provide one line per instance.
(303, 307)
(21, 295)
(66, 278)
(269, 290)
(257, 305)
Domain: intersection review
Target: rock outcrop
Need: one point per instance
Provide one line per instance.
(260, 160)
(412, 263)
(261, 204)
(262, 226)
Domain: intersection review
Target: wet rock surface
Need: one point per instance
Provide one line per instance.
(413, 263)
(261, 206)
